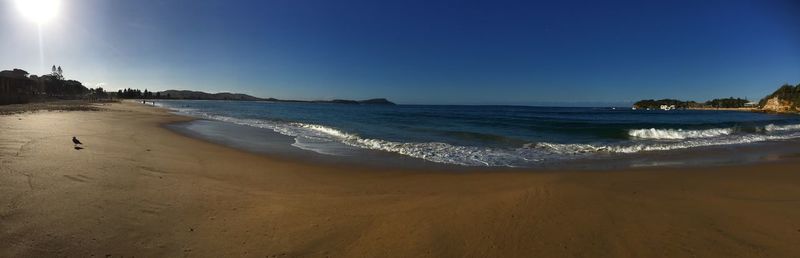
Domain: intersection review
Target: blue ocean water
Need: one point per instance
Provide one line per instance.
(512, 136)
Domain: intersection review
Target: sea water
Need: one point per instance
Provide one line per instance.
(510, 136)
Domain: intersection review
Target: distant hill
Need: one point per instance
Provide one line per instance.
(785, 99)
(199, 95)
(187, 94)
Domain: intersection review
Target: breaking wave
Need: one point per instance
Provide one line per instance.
(656, 146)
(317, 138)
(777, 128)
(678, 134)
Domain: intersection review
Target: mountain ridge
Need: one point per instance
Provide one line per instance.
(200, 95)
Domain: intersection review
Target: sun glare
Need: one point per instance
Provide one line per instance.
(39, 11)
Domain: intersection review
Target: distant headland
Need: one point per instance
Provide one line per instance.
(199, 95)
(17, 86)
(680, 104)
(784, 100)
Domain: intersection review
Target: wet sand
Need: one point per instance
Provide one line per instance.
(139, 189)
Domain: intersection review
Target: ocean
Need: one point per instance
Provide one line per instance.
(486, 136)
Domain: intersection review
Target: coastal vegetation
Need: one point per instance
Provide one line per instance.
(785, 99)
(727, 103)
(19, 86)
(656, 104)
(133, 94)
(680, 104)
(786, 92)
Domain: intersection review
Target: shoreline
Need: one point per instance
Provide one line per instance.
(280, 146)
(138, 188)
(273, 144)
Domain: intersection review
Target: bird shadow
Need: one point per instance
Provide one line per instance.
(78, 148)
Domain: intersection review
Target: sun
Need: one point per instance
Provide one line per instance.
(39, 11)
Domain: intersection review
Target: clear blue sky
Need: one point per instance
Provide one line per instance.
(434, 52)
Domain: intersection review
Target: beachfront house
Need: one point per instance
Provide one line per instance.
(667, 107)
(15, 87)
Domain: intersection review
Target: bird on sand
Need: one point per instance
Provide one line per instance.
(75, 141)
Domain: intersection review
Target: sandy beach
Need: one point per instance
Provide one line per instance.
(138, 189)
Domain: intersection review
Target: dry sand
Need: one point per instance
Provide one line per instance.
(140, 190)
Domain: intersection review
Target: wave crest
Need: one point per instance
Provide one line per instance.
(678, 134)
(779, 128)
(573, 149)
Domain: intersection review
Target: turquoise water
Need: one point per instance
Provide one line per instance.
(513, 136)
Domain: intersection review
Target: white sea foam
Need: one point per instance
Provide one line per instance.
(431, 151)
(778, 128)
(574, 149)
(331, 141)
(678, 134)
(319, 138)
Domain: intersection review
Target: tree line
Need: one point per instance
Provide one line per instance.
(19, 86)
(139, 94)
(656, 104)
(715, 103)
(727, 103)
